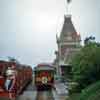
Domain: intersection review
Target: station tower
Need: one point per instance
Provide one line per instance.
(68, 45)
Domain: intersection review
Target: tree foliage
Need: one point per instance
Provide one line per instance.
(86, 64)
(92, 92)
(89, 39)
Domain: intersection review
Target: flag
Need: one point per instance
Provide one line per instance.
(68, 1)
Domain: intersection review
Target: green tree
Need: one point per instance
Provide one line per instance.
(86, 65)
(89, 39)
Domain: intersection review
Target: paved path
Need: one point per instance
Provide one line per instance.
(45, 95)
(60, 92)
(29, 94)
(61, 88)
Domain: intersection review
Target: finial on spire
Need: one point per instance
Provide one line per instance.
(68, 1)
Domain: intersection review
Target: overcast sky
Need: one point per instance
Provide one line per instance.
(28, 28)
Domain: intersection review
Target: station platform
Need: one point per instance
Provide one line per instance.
(60, 91)
(28, 95)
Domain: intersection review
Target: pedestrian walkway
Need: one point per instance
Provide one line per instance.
(28, 95)
(60, 91)
(61, 88)
(58, 96)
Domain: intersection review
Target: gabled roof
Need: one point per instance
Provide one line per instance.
(68, 29)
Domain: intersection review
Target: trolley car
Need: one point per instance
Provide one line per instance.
(44, 76)
(13, 78)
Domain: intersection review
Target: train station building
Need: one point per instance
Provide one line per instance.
(68, 45)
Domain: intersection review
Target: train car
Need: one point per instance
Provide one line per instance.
(13, 78)
(44, 76)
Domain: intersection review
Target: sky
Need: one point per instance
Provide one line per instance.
(28, 28)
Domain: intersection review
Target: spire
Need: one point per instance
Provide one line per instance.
(68, 32)
(68, 2)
